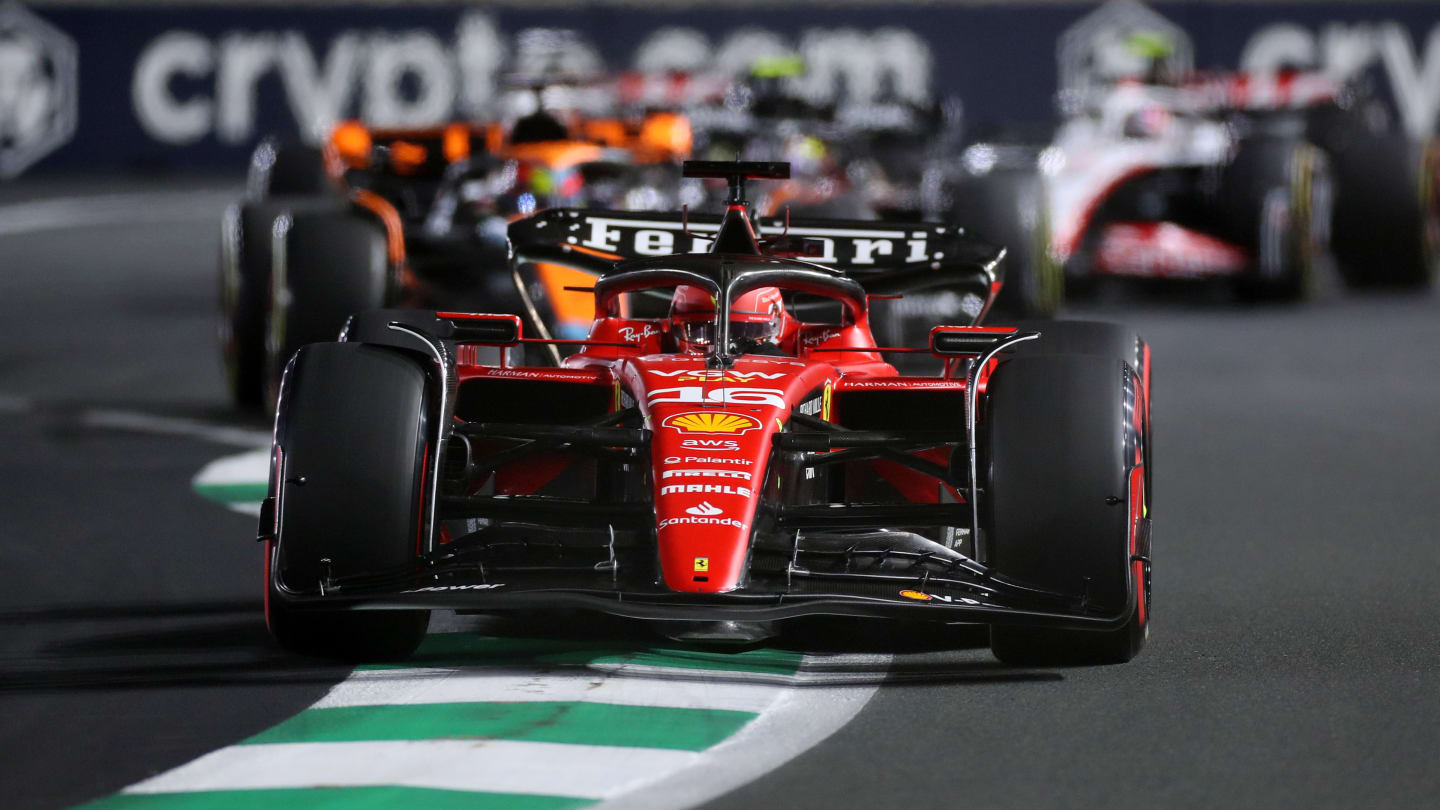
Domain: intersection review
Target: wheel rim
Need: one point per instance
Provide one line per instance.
(1049, 277)
(1302, 214)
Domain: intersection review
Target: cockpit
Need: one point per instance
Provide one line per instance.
(725, 306)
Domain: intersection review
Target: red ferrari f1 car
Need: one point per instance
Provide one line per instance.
(750, 458)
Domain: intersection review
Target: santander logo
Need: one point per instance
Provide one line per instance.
(703, 509)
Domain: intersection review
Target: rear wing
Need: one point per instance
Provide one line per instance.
(887, 258)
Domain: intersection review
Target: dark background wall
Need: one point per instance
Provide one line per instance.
(219, 76)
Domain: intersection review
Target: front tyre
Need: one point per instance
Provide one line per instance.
(1065, 507)
(356, 636)
(353, 440)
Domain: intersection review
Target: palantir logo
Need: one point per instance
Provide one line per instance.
(37, 89)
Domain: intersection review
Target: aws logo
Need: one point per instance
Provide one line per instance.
(733, 424)
(722, 445)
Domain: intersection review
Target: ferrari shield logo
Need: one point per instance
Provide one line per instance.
(37, 89)
(702, 564)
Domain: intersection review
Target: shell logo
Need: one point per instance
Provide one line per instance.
(728, 423)
(918, 596)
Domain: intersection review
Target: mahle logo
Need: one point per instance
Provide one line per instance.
(37, 89)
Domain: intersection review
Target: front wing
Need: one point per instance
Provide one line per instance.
(970, 595)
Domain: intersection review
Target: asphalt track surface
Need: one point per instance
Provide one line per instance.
(1293, 655)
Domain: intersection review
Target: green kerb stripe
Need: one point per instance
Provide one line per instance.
(778, 662)
(469, 650)
(234, 493)
(352, 798)
(552, 722)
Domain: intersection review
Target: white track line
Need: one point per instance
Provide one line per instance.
(112, 209)
(249, 438)
(499, 766)
(412, 687)
(175, 426)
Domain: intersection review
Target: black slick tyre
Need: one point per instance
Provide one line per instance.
(1062, 506)
(1101, 339)
(246, 233)
(281, 168)
(1275, 198)
(1387, 210)
(1081, 337)
(353, 436)
(329, 264)
(1007, 208)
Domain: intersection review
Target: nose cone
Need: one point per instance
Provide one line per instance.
(709, 468)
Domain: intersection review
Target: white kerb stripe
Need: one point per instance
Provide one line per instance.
(498, 766)
(405, 687)
(800, 720)
(243, 468)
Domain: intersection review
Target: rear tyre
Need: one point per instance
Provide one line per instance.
(244, 275)
(1387, 211)
(1275, 197)
(353, 433)
(1063, 507)
(330, 264)
(1007, 208)
(279, 168)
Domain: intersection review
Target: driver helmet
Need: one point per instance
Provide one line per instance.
(755, 317)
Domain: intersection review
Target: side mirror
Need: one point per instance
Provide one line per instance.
(483, 328)
(949, 341)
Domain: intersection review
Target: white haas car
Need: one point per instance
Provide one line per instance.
(1240, 176)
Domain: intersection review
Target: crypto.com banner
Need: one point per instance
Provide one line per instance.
(177, 87)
